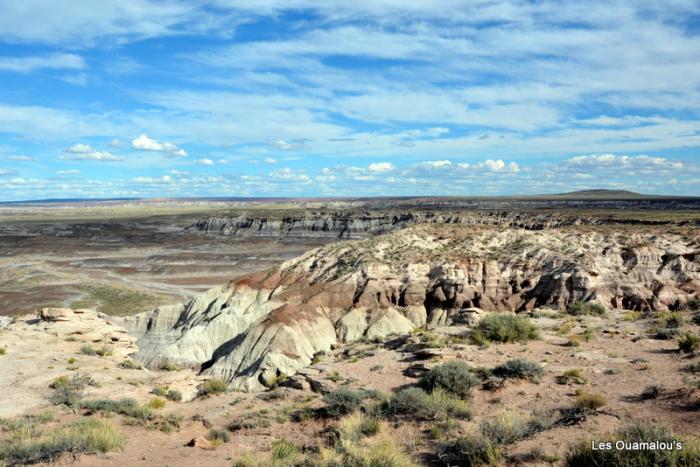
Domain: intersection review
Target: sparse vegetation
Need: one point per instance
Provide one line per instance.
(213, 386)
(417, 403)
(585, 308)
(471, 450)
(343, 401)
(156, 403)
(573, 376)
(504, 328)
(688, 342)
(586, 401)
(173, 395)
(130, 365)
(454, 377)
(218, 436)
(42, 446)
(519, 368)
(68, 390)
(681, 452)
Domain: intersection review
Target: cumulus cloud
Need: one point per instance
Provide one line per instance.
(79, 148)
(641, 162)
(144, 143)
(204, 161)
(491, 165)
(378, 167)
(85, 152)
(287, 174)
(436, 164)
(270, 160)
(6, 173)
(68, 172)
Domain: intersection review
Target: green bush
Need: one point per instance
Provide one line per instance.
(213, 386)
(454, 377)
(420, 405)
(519, 368)
(342, 401)
(156, 403)
(505, 328)
(688, 342)
(585, 308)
(469, 451)
(174, 395)
(160, 391)
(583, 454)
(84, 436)
(283, 451)
(3, 350)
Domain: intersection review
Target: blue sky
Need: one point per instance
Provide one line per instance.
(370, 97)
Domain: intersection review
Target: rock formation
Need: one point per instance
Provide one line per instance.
(266, 326)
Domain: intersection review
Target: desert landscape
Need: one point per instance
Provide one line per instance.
(360, 332)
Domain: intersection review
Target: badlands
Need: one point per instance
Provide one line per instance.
(365, 336)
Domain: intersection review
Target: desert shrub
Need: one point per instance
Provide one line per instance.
(69, 391)
(84, 436)
(356, 426)
(125, 406)
(454, 377)
(220, 436)
(519, 368)
(511, 426)
(572, 376)
(273, 394)
(156, 403)
(586, 401)
(160, 391)
(213, 386)
(342, 401)
(471, 450)
(583, 454)
(505, 328)
(283, 451)
(104, 351)
(130, 365)
(671, 319)
(688, 342)
(3, 350)
(169, 366)
(573, 341)
(585, 308)
(87, 350)
(174, 395)
(417, 403)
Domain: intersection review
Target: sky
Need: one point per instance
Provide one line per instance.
(311, 98)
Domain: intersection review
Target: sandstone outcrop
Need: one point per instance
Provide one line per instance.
(264, 327)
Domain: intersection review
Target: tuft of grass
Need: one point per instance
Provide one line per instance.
(156, 403)
(169, 366)
(84, 436)
(688, 342)
(519, 368)
(685, 452)
(511, 426)
(220, 436)
(472, 450)
(586, 401)
(160, 391)
(356, 426)
(87, 350)
(505, 328)
(418, 404)
(585, 308)
(213, 386)
(283, 451)
(130, 365)
(125, 406)
(68, 390)
(573, 376)
(454, 377)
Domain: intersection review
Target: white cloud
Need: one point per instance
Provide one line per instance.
(204, 161)
(22, 158)
(53, 61)
(93, 156)
(437, 164)
(378, 167)
(641, 162)
(144, 143)
(68, 172)
(5, 172)
(79, 148)
(270, 160)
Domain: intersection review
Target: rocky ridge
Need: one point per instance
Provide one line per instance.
(345, 224)
(266, 326)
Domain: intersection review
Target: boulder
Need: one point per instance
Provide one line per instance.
(56, 314)
(201, 443)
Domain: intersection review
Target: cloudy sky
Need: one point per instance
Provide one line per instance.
(367, 97)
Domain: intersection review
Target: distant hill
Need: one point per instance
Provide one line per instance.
(604, 194)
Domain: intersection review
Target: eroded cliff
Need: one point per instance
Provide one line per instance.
(266, 325)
